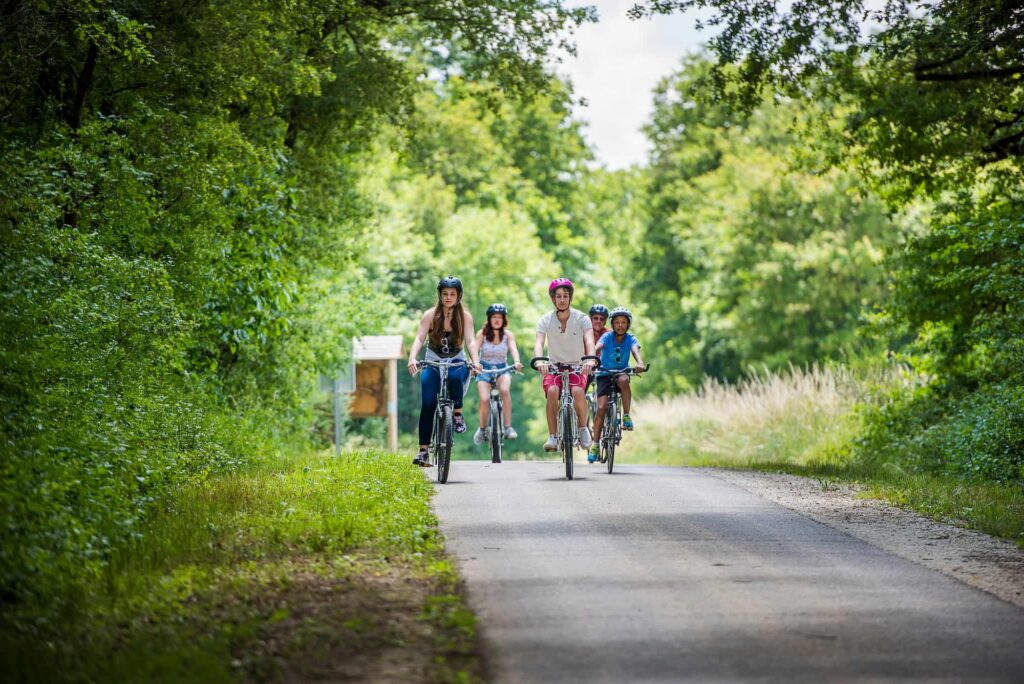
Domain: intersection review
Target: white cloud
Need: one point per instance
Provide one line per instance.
(618, 63)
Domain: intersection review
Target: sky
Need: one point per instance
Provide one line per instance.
(618, 63)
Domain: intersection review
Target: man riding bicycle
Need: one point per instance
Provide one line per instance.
(569, 336)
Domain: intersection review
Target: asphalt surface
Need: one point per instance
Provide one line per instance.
(657, 574)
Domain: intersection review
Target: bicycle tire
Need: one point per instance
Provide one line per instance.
(495, 428)
(609, 430)
(433, 449)
(444, 459)
(568, 434)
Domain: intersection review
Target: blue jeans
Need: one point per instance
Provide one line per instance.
(430, 385)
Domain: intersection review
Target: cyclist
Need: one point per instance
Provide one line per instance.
(444, 329)
(495, 342)
(614, 348)
(598, 318)
(569, 335)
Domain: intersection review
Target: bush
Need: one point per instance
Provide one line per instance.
(978, 436)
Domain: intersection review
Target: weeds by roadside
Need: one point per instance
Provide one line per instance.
(311, 567)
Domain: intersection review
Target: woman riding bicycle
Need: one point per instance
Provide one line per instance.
(444, 329)
(570, 336)
(495, 342)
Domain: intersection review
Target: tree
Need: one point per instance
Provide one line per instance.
(749, 258)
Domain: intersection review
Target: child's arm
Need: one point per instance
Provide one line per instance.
(514, 349)
(639, 359)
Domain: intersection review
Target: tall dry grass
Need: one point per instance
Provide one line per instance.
(794, 417)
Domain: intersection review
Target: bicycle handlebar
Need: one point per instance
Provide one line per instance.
(632, 370)
(571, 367)
(500, 370)
(438, 364)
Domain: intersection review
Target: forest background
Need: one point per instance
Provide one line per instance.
(201, 203)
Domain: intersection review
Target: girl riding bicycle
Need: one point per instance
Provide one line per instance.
(614, 348)
(495, 342)
(444, 329)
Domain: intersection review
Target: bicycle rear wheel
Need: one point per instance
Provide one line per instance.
(495, 429)
(568, 434)
(444, 446)
(609, 434)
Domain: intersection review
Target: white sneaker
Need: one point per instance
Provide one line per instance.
(510, 433)
(551, 444)
(585, 438)
(479, 436)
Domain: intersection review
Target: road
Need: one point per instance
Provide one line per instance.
(659, 574)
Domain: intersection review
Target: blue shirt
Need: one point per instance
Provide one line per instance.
(615, 356)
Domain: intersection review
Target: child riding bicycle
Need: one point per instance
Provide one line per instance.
(495, 342)
(569, 336)
(615, 348)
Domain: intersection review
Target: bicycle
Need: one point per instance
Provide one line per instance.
(568, 433)
(611, 431)
(441, 439)
(495, 430)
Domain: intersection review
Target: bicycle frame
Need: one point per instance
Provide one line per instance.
(496, 419)
(567, 423)
(441, 438)
(611, 430)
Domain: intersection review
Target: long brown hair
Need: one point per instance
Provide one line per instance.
(494, 335)
(437, 325)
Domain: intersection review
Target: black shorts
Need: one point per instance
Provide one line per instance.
(604, 385)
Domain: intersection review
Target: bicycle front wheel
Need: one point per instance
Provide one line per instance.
(568, 435)
(444, 446)
(495, 429)
(609, 435)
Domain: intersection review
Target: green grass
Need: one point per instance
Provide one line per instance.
(804, 423)
(292, 567)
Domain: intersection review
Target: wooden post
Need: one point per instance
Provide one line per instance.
(339, 428)
(393, 405)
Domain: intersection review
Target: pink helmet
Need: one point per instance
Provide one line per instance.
(560, 282)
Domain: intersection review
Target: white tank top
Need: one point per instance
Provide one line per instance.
(494, 353)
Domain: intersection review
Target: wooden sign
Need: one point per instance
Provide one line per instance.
(371, 394)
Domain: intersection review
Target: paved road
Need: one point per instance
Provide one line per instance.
(667, 575)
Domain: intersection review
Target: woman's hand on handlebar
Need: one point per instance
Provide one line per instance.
(414, 366)
(518, 366)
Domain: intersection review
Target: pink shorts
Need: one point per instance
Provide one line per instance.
(575, 380)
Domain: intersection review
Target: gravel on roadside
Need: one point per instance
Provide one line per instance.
(992, 565)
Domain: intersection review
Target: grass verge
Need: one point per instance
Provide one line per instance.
(307, 568)
(804, 423)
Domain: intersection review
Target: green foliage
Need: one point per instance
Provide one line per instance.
(962, 286)
(182, 230)
(931, 106)
(747, 259)
(220, 566)
(977, 438)
(936, 86)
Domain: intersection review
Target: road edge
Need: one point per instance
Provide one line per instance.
(993, 565)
